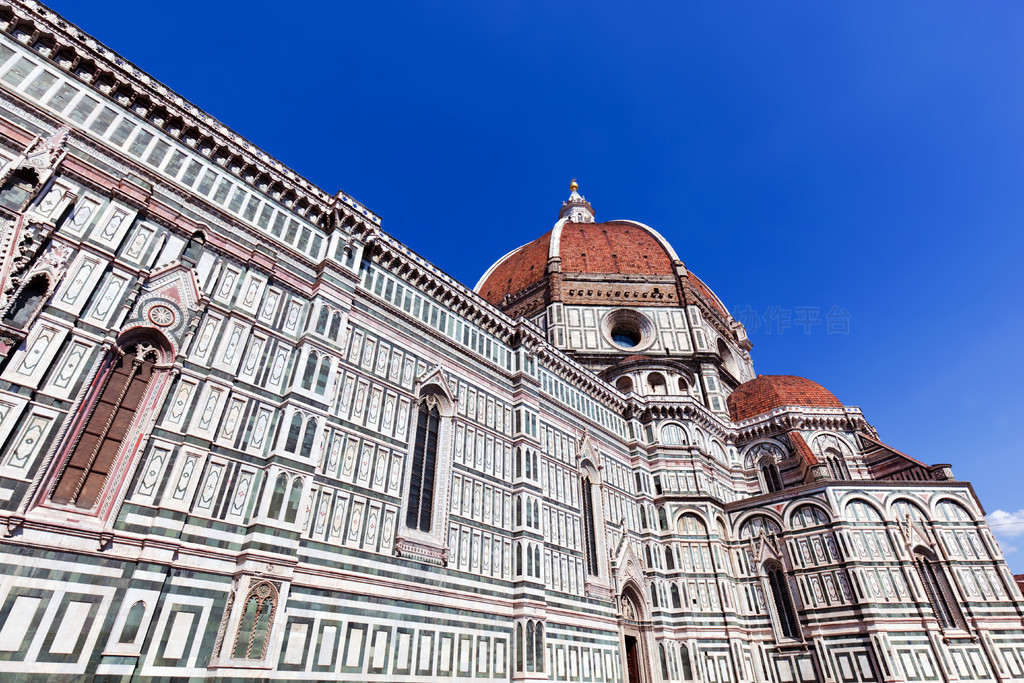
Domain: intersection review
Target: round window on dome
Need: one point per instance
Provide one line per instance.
(628, 330)
(627, 336)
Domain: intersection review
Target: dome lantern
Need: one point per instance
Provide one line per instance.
(576, 209)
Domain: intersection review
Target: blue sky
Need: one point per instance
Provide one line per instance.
(863, 159)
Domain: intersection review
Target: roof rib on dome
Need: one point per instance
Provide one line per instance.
(765, 393)
(613, 248)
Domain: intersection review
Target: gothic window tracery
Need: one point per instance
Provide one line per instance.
(937, 589)
(529, 646)
(836, 464)
(16, 192)
(782, 600)
(420, 509)
(589, 525)
(27, 302)
(771, 477)
(119, 390)
(253, 636)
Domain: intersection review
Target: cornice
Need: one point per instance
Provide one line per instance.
(85, 59)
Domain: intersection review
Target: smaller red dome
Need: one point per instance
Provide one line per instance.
(765, 393)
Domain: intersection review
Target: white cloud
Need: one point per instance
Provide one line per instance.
(1006, 524)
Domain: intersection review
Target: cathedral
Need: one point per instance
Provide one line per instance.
(245, 434)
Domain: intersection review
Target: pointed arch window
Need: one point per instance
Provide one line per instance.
(785, 612)
(323, 375)
(96, 445)
(294, 431)
(321, 323)
(17, 189)
(309, 373)
(28, 301)
(589, 525)
(837, 468)
(772, 478)
(420, 511)
(936, 587)
(132, 623)
(253, 635)
(684, 655)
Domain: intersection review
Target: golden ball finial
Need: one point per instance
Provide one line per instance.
(574, 185)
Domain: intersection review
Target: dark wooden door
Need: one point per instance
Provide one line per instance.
(632, 660)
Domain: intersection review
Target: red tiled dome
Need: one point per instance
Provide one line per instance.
(768, 392)
(614, 248)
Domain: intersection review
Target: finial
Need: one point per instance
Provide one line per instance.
(574, 185)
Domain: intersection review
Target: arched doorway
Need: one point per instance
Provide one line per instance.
(633, 625)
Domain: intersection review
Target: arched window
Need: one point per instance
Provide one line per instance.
(656, 382)
(132, 623)
(294, 500)
(28, 301)
(17, 189)
(691, 525)
(673, 435)
(670, 562)
(676, 602)
(310, 372)
(294, 430)
(904, 509)
(772, 478)
(538, 650)
(859, 511)
(807, 516)
(520, 645)
(664, 661)
(96, 446)
(308, 437)
(654, 595)
(530, 646)
(335, 325)
(662, 518)
(277, 497)
(936, 587)
(589, 525)
(321, 323)
(837, 468)
(519, 462)
(624, 384)
(253, 635)
(782, 600)
(420, 512)
(753, 527)
(952, 511)
(321, 378)
(684, 654)
(727, 358)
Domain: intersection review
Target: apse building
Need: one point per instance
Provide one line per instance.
(247, 435)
